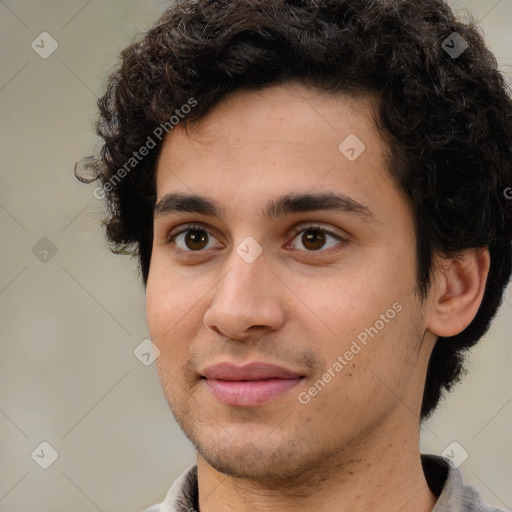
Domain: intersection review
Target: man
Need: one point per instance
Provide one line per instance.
(316, 191)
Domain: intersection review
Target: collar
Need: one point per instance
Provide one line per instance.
(444, 480)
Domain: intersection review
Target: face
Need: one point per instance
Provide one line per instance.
(282, 295)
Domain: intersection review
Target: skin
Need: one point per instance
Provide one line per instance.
(355, 444)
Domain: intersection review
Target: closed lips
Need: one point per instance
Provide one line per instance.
(252, 371)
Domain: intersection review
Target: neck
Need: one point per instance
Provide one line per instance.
(378, 473)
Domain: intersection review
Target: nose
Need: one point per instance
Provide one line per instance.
(248, 301)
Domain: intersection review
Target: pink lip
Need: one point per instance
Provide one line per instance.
(250, 385)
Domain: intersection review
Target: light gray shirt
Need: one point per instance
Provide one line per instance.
(444, 480)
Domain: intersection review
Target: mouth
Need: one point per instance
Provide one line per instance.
(249, 385)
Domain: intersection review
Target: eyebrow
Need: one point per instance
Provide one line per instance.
(279, 207)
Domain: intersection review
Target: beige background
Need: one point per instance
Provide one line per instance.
(68, 375)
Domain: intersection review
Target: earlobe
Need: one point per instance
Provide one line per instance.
(458, 291)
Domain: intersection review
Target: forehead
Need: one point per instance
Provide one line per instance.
(285, 138)
(283, 105)
(286, 117)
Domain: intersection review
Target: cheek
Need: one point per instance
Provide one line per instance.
(369, 365)
(363, 316)
(172, 303)
(350, 298)
(156, 302)
(172, 328)
(163, 299)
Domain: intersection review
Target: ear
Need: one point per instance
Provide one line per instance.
(457, 291)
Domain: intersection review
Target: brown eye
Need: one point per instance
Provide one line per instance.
(196, 239)
(313, 239)
(192, 239)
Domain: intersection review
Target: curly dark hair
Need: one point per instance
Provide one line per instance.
(447, 119)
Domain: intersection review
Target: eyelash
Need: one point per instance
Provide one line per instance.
(299, 229)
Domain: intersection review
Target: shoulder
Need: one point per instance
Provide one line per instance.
(446, 482)
(182, 496)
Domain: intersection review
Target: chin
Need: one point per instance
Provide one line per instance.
(259, 461)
